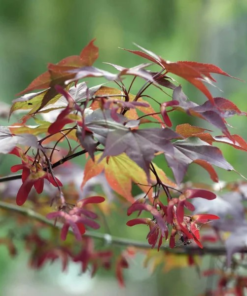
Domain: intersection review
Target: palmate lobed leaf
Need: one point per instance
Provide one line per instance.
(87, 57)
(187, 130)
(205, 69)
(195, 73)
(213, 113)
(140, 145)
(33, 103)
(101, 123)
(42, 128)
(8, 140)
(120, 172)
(56, 75)
(187, 152)
(118, 176)
(225, 107)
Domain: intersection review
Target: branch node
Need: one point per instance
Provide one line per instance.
(108, 238)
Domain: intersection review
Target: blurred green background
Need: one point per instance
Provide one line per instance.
(34, 33)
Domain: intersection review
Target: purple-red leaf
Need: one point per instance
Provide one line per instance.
(139, 145)
(195, 73)
(185, 153)
(23, 192)
(192, 193)
(54, 75)
(89, 54)
(136, 221)
(92, 199)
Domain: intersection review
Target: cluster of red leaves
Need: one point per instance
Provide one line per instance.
(172, 217)
(33, 175)
(44, 251)
(77, 217)
(195, 73)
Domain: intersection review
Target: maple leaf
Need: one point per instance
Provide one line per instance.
(139, 145)
(187, 130)
(58, 74)
(215, 113)
(187, 152)
(32, 102)
(120, 171)
(8, 140)
(77, 217)
(87, 57)
(100, 123)
(195, 73)
(27, 102)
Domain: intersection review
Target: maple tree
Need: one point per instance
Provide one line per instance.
(120, 135)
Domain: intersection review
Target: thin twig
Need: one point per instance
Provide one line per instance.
(56, 164)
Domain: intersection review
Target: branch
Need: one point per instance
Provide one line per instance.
(56, 164)
(117, 241)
